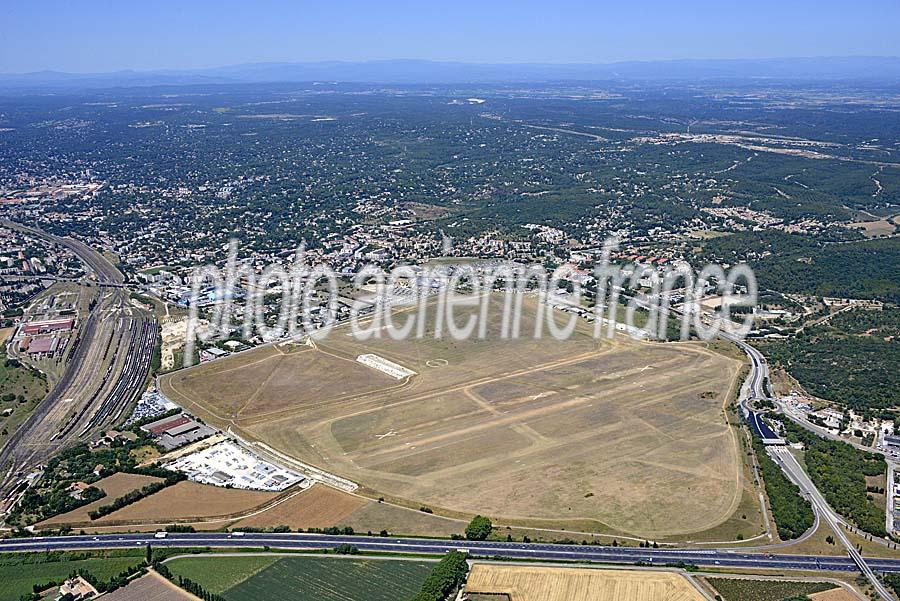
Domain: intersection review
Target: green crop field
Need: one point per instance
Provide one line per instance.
(21, 389)
(765, 590)
(304, 578)
(218, 574)
(18, 574)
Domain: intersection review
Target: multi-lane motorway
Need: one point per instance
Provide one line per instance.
(759, 374)
(736, 558)
(539, 551)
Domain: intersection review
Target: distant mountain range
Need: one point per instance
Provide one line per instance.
(884, 69)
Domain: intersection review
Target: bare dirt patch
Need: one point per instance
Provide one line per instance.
(838, 594)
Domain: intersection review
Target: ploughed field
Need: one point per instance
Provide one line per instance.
(624, 434)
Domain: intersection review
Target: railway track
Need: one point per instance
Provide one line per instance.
(97, 383)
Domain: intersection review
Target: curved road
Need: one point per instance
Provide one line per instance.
(759, 374)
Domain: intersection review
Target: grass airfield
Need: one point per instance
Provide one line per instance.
(623, 434)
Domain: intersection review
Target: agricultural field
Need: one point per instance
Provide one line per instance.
(881, 227)
(218, 574)
(19, 573)
(622, 434)
(739, 589)
(187, 500)
(318, 507)
(527, 583)
(114, 486)
(274, 578)
(150, 587)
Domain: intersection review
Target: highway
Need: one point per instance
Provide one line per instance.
(759, 374)
(714, 557)
(795, 472)
(757, 389)
(512, 550)
(891, 456)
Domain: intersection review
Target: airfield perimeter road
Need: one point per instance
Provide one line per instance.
(104, 371)
(538, 551)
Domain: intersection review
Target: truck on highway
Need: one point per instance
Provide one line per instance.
(161, 535)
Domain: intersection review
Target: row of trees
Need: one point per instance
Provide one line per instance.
(103, 586)
(792, 513)
(185, 583)
(197, 590)
(448, 575)
(170, 478)
(127, 499)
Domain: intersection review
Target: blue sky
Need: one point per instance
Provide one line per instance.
(94, 36)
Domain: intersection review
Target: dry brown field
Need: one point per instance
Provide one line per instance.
(150, 587)
(527, 583)
(873, 229)
(114, 486)
(838, 594)
(187, 500)
(318, 507)
(402, 521)
(623, 434)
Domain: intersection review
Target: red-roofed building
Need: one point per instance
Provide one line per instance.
(51, 325)
(43, 345)
(159, 429)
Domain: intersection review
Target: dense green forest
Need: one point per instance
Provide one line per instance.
(852, 359)
(815, 266)
(448, 574)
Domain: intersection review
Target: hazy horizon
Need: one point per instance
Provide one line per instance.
(93, 37)
(401, 60)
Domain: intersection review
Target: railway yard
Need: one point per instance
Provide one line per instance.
(96, 373)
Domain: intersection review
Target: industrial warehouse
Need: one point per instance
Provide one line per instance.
(173, 432)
